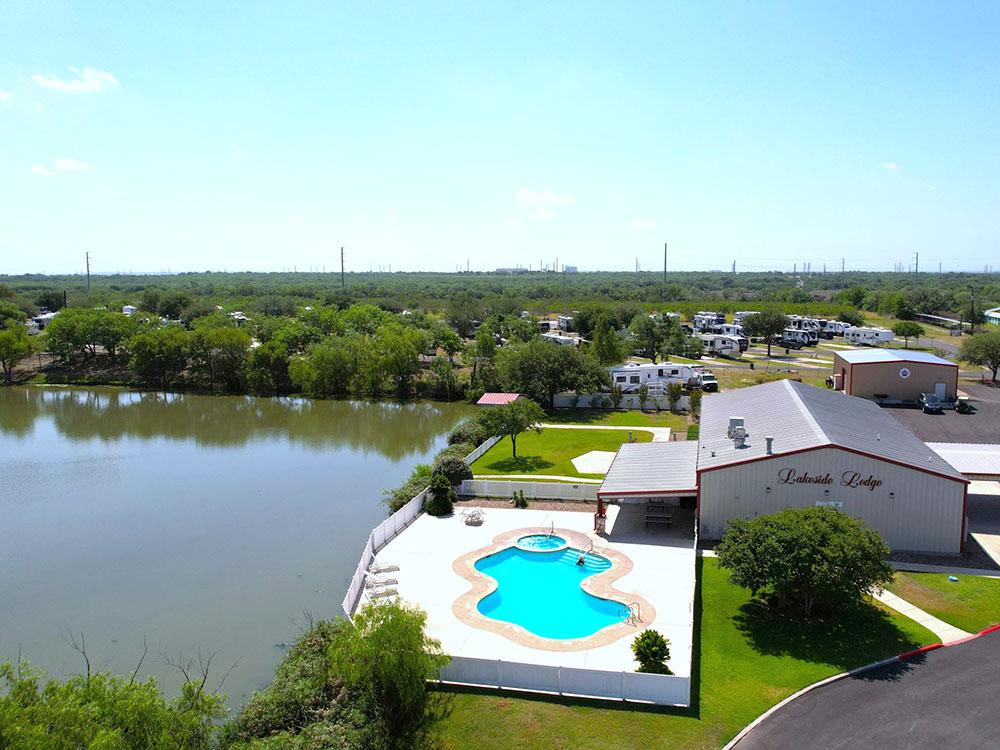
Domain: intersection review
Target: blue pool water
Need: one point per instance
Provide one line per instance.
(541, 542)
(540, 591)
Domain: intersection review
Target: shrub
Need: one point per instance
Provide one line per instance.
(454, 468)
(520, 501)
(458, 450)
(806, 557)
(694, 402)
(652, 651)
(416, 483)
(469, 431)
(442, 496)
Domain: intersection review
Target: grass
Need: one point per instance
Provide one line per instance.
(693, 431)
(972, 604)
(551, 451)
(597, 417)
(744, 378)
(746, 660)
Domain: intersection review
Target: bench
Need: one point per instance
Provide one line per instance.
(659, 515)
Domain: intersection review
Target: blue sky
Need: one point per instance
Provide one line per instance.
(263, 136)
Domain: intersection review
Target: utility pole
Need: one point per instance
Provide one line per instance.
(916, 266)
(843, 275)
(341, 266)
(664, 266)
(734, 268)
(88, 272)
(972, 310)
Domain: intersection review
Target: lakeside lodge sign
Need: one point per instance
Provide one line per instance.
(852, 479)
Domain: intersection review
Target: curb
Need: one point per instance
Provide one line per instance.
(851, 673)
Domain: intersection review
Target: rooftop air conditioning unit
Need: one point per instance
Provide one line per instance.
(734, 422)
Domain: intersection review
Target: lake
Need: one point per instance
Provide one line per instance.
(211, 523)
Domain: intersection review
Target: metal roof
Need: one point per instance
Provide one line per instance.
(652, 469)
(868, 356)
(801, 417)
(497, 399)
(975, 460)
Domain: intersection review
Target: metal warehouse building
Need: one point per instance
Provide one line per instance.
(786, 444)
(894, 375)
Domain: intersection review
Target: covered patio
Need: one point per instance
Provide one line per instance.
(656, 486)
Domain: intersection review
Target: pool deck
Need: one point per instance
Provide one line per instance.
(662, 572)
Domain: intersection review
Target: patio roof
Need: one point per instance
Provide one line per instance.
(497, 399)
(652, 469)
(974, 460)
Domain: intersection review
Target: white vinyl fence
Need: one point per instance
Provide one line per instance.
(603, 401)
(388, 530)
(664, 690)
(532, 490)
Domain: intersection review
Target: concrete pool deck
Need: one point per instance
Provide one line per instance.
(662, 572)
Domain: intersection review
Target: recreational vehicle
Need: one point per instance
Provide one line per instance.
(705, 319)
(868, 336)
(555, 338)
(630, 376)
(835, 327)
(717, 345)
(742, 315)
(733, 330)
(792, 338)
(565, 322)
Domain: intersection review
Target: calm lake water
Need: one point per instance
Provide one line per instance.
(199, 522)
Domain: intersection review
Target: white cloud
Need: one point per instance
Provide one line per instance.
(642, 224)
(71, 165)
(41, 170)
(890, 165)
(5, 96)
(539, 204)
(87, 80)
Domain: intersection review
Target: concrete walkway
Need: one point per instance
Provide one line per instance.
(660, 434)
(947, 633)
(540, 478)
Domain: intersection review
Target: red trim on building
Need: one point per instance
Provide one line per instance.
(691, 491)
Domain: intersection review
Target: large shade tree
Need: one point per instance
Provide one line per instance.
(512, 419)
(768, 324)
(803, 558)
(983, 349)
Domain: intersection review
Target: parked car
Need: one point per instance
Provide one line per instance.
(709, 382)
(931, 404)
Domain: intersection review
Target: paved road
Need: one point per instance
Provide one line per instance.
(951, 427)
(946, 699)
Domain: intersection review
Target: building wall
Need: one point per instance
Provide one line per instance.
(866, 380)
(925, 513)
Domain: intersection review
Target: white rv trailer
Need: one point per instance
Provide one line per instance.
(705, 319)
(717, 345)
(868, 336)
(792, 338)
(555, 338)
(835, 327)
(735, 331)
(806, 325)
(741, 315)
(630, 376)
(565, 322)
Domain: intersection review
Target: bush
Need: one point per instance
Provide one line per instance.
(454, 468)
(458, 450)
(806, 557)
(469, 431)
(519, 500)
(442, 496)
(652, 651)
(416, 483)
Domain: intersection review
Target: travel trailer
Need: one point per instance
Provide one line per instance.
(630, 376)
(741, 315)
(555, 338)
(717, 345)
(735, 331)
(705, 319)
(565, 322)
(792, 338)
(809, 325)
(868, 336)
(833, 328)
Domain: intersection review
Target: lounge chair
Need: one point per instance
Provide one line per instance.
(372, 581)
(376, 569)
(472, 517)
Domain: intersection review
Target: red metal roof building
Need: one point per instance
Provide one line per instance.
(497, 399)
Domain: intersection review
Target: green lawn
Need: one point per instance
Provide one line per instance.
(551, 451)
(597, 417)
(971, 604)
(746, 661)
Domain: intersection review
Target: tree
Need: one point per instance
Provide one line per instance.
(445, 382)
(452, 467)
(448, 340)
(643, 396)
(462, 314)
(388, 656)
(15, 345)
(694, 402)
(100, 711)
(983, 349)
(652, 651)
(221, 354)
(674, 392)
(267, 369)
(512, 419)
(907, 329)
(647, 336)
(328, 368)
(442, 496)
(51, 300)
(10, 311)
(617, 396)
(172, 304)
(806, 557)
(852, 318)
(159, 356)
(70, 335)
(768, 324)
(540, 370)
(607, 346)
(399, 351)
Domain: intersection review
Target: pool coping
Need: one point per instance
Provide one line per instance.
(600, 585)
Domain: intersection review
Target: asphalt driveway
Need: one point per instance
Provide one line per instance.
(951, 427)
(943, 699)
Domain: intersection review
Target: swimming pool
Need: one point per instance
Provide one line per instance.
(541, 542)
(541, 592)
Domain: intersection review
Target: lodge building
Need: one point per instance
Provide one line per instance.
(786, 444)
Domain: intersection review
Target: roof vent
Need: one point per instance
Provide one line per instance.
(770, 444)
(739, 437)
(734, 422)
